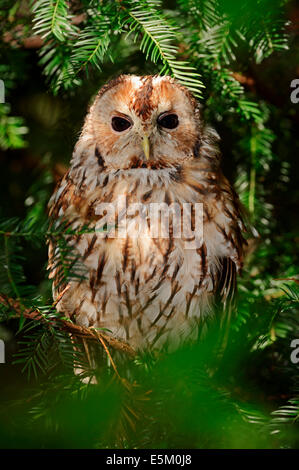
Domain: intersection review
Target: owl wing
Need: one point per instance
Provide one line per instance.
(227, 282)
(226, 285)
(62, 215)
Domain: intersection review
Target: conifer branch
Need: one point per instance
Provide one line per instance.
(66, 325)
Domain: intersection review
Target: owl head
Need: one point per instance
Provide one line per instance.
(143, 122)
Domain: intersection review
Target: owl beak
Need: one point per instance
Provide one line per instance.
(146, 146)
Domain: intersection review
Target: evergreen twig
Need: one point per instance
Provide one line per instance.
(67, 325)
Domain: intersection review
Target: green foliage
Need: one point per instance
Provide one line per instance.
(12, 129)
(13, 281)
(52, 19)
(157, 43)
(44, 347)
(95, 41)
(92, 45)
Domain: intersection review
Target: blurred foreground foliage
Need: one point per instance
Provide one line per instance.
(54, 57)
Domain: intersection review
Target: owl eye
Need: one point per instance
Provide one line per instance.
(120, 124)
(169, 121)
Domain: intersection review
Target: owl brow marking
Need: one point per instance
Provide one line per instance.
(143, 104)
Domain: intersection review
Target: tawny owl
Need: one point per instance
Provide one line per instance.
(144, 145)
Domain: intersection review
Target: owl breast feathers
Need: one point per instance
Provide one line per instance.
(144, 146)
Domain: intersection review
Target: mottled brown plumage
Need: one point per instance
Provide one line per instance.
(145, 289)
